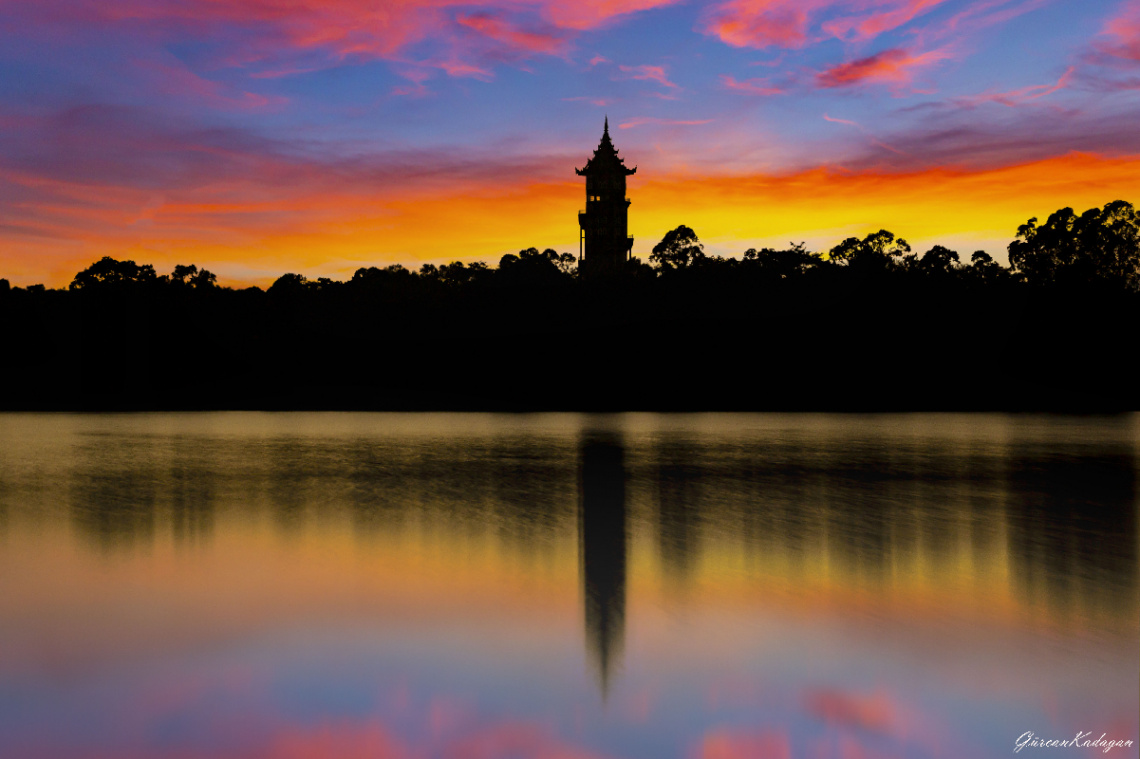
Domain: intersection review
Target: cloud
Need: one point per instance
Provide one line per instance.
(861, 128)
(1122, 34)
(756, 86)
(591, 14)
(870, 25)
(648, 73)
(796, 23)
(842, 121)
(951, 134)
(894, 66)
(501, 30)
(176, 79)
(463, 37)
(416, 86)
(762, 23)
(1021, 95)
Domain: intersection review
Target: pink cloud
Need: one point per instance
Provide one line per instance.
(416, 86)
(501, 30)
(590, 14)
(461, 68)
(980, 15)
(893, 66)
(1122, 34)
(869, 26)
(756, 86)
(469, 31)
(181, 81)
(855, 124)
(648, 73)
(345, 741)
(598, 59)
(1018, 96)
(792, 23)
(763, 23)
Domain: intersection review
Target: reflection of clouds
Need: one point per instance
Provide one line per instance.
(874, 713)
(728, 744)
(344, 740)
(830, 723)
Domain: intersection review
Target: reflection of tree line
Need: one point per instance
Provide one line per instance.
(125, 491)
(1065, 517)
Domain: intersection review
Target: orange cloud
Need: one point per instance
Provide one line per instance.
(895, 65)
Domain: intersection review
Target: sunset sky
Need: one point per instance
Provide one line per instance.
(255, 137)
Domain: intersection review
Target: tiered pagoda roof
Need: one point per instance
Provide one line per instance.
(605, 159)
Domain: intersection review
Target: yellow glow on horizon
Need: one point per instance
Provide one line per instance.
(317, 231)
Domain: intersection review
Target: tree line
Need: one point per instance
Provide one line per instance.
(1099, 248)
(868, 324)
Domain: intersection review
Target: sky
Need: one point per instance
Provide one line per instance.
(258, 137)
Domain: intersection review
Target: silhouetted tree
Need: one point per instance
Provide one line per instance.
(288, 284)
(938, 261)
(678, 249)
(781, 264)
(532, 265)
(109, 272)
(984, 269)
(876, 250)
(1100, 245)
(192, 276)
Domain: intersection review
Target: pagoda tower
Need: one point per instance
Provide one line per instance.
(604, 243)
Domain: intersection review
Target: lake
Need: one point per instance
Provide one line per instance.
(567, 586)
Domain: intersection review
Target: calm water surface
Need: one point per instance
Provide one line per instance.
(477, 587)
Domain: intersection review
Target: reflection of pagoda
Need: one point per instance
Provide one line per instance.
(604, 241)
(602, 543)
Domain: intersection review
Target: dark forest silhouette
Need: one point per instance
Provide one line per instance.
(867, 325)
